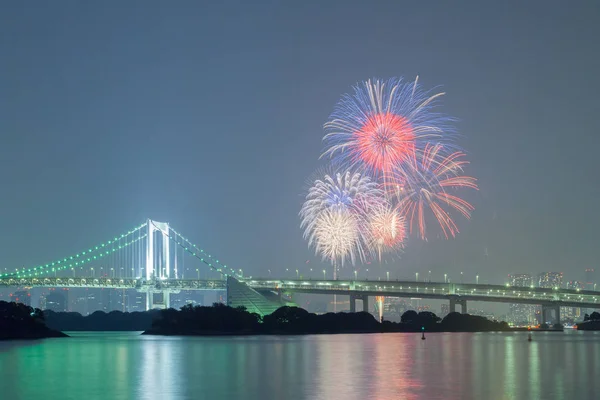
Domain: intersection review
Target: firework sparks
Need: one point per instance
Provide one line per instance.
(383, 125)
(347, 193)
(388, 229)
(336, 236)
(427, 186)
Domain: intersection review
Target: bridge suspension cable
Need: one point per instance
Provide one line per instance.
(79, 259)
(198, 253)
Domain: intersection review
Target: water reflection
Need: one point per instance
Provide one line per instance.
(347, 367)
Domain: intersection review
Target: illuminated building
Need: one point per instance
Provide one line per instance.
(520, 314)
(572, 314)
(550, 279)
(521, 280)
(186, 297)
(137, 301)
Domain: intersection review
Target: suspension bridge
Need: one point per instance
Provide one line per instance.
(151, 259)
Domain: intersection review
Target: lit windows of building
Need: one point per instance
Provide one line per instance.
(550, 279)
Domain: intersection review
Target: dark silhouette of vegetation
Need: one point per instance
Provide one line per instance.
(590, 322)
(100, 321)
(223, 320)
(218, 319)
(18, 321)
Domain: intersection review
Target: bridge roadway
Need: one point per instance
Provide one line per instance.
(456, 293)
(116, 283)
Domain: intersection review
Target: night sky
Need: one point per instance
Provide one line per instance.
(210, 117)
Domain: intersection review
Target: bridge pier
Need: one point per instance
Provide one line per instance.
(365, 301)
(547, 310)
(150, 300)
(454, 300)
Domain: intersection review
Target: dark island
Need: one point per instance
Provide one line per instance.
(590, 322)
(224, 320)
(18, 321)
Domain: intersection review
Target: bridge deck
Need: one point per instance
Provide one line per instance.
(425, 290)
(116, 283)
(435, 290)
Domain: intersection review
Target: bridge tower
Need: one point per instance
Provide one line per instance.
(157, 266)
(162, 268)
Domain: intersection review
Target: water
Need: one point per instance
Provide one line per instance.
(380, 366)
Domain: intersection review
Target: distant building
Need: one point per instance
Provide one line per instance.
(550, 280)
(572, 314)
(21, 296)
(79, 301)
(57, 301)
(186, 297)
(137, 301)
(93, 301)
(590, 278)
(521, 280)
(481, 313)
(121, 299)
(520, 314)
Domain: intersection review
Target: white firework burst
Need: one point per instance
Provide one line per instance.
(336, 236)
(387, 228)
(347, 194)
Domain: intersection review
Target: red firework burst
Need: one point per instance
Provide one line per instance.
(434, 175)
(385, 141)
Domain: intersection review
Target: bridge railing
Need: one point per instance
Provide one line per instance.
(115, 283)
(432, 289)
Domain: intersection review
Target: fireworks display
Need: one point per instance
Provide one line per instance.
(338, 202)
(383, 125)
(401, 168)
(428, 187)
(387, 228)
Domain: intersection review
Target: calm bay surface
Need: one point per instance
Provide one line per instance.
(112, 365)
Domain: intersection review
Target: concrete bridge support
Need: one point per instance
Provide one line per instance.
(363, 297)
(158, 299)
(457, 300)
(551, 313)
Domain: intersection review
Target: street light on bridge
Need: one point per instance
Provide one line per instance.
(445, 278)
(429, 276)
(477, 279)
(416, 277)
(92, 272)
(198, 271)
(324, 276)
(297, 274)
(388, 275)
(355, 275)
